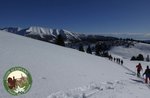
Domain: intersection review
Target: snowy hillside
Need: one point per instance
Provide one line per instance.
(59, 72)
(139, 48)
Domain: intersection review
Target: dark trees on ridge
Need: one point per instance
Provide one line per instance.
(60, 40)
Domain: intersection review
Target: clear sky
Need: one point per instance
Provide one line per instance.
(84, 16)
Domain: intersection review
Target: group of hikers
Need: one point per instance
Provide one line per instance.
(146, 72)
(117, 60)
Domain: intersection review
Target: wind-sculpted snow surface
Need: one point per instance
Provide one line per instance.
(55, 70)
(115, 89)
(83, 92)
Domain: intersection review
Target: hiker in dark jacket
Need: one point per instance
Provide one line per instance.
(147, 74)
(121, 62)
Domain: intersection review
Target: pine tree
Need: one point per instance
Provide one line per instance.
(133, 58)
(60, 40)
(147, 58)
(81, 48)
(140, 57)
(97, 49)
(88, 50)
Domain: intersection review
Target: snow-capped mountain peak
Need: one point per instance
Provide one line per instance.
(39, 31)
(42, 32)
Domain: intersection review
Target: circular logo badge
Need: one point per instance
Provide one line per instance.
(17, 81)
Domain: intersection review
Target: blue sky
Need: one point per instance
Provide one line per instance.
(84, 16)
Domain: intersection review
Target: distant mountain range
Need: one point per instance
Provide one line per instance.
(47, 34)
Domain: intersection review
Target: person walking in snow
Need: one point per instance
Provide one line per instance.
(121, 62)
(147, 74)
(139, 68)
(114, 59)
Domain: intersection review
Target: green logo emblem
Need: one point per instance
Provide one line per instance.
(17, 81)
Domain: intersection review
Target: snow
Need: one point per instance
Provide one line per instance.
(60, 72)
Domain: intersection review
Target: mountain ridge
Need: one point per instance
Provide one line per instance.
(42, 32)
(48, 34)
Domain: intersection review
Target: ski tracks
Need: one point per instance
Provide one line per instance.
(88, 91)
(93, 89)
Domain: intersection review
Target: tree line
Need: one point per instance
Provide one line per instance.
(101, 48)
(140, 57)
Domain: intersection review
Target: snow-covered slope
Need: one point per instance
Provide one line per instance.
(138, 48)
(59, 72)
